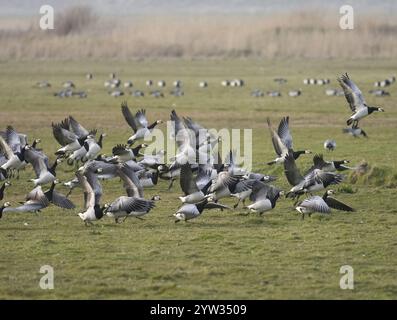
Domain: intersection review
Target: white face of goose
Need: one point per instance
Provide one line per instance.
(56, 181)
(330, 192)
(381, 109)
(7, 204)
(7, 183)
(308, 152)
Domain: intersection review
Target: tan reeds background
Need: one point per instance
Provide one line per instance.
(80, 34)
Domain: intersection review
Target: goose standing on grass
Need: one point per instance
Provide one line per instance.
(355, 100)
(355, 131)
(315, 180)
(190, 211)
(329, 145)
(193, 194)
(92, 211)
(138, 123)
(282, 141)
(264, 197)
(5, 185)
(132, 205)
(321, 205)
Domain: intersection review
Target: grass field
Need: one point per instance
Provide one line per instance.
(221, 255)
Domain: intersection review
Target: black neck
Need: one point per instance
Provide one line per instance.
(337, 164)
(100, 140)
(200, 206)
(325, 196)
(152, 125)
(298, 153)
(2, 188)
(53, 167)
(136, 149)
(275, 200)
(98, 211)
(372, 109)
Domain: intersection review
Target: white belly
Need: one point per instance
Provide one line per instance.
(261, 206)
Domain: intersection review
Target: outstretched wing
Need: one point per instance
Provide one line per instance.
(284, 132)
(140, 118)
(129, 118)
(335, 204)
(278, 144)
(352, 93)
(291, 171)
(187, 180)
(77, 128)
(316, 203)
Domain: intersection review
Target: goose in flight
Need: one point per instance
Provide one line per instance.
(92, 211)
(328, 166)
(70, 135)
(190, 211)
(39, 161)
(35, 201)
(264, 197)
(192, 192)
(15, 160)
(355, 100)
(321, 204)
(132, 205)
(314, 180)
(138, 123)
(282, 141)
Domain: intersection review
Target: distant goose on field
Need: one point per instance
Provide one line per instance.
(379, 93)
(192, 193)
(138, 93)
(236, 83)
(68, 84)
(89, 76)
(161, 83)
(128, 84)
(315, 180)
(115, 83)
(43, 84)
(282, 141)
(177, 83)
(264, 197)
(257, 93)
(321, 205)
(306, 81)
(112, 75)
(334, 92)
(116, 93)
(149, 83)
(190, 211)
(5, 185)
(225, 83)
(203, 84)
(356, 101)
(312, 81)
(273, 93)
(177, 92)
(294, 93)
(157, 94)
(355, 131)
(280, 80)
(329, 145)
(138, 123)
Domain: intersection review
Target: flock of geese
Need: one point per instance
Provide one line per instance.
(203, 183)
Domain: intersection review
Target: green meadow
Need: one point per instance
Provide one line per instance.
(221, 254)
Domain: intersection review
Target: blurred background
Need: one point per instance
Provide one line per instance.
(138, 29)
